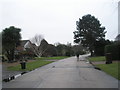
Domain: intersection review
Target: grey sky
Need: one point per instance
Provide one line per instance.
(56, 19)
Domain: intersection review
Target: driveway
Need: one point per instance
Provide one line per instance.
(66, 73)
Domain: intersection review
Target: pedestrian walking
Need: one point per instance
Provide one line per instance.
(77, 57)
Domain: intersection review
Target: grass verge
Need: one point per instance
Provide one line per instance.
(98, 58)
(30, 65)
(111, 69)
(51, 58)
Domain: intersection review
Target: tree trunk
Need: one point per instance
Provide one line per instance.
(10, 55)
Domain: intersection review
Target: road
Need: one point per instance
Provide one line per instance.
(0, 75)
(66, 73)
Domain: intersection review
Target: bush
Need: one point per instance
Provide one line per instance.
(3, 58)
(99, 47)
(99, 51)
(114, 49)
(67, 54)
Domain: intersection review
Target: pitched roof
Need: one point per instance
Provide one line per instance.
(117, 38)
(23, 42)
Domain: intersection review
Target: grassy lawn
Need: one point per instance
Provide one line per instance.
(98, 58)
(51, 58)
(35, 64)
(111, 69)
(30, 65)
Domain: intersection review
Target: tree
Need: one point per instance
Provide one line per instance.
(10, 39)
(89, 30)
(61, 49)
(69, 50)
(38, 45)
(37, 40)
(43, 47)
(64, 50)
(78, 49)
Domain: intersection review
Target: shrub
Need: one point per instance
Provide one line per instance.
(68, 54)
(114, 49)
(99, 47)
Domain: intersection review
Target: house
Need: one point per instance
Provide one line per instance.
(29, 49)
(117, 38)
(22, 49)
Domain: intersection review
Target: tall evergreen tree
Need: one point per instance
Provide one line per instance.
(89, 30)
(10, 40)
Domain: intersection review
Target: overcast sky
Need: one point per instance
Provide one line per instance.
(56, 19)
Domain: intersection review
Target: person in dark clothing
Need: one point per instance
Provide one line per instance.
(77, 57)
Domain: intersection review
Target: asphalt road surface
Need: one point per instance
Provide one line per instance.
(0, 75)
(66, 73)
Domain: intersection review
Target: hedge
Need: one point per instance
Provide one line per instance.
(114, 49)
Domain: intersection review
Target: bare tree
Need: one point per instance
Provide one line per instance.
(38, 45)
(37, 39)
